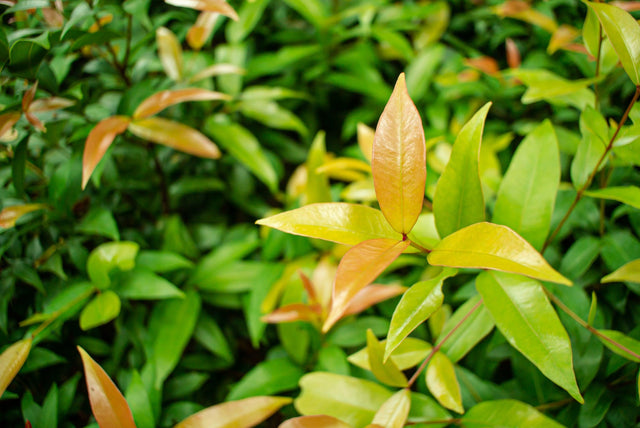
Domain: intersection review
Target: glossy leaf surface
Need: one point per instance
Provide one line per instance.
(506, 413)
(235, 414)
(629, 343)
(163, 99)
(348, 224)
(491, 246)
(417, 305)
(98, 141)
(629, 195)
(458, 200)
(107, 403)
(11, 361)
(528, 190)
(219, 6)
(398, 160)
(360, 266)
(478, 325)
(9, 215)
(315, 421)
(175, 135)
(352, 400)
(371, 295)
(393, 413)
(628, 272)
(102, 309)
(409, 353)
(527, 320)
(442, 382)
(385, 371)
(109, 256)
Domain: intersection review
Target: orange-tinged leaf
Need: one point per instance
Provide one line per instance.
(163, 99)
(365, 140)
(315, 421)
(521, 10)
(235, 414)
(7, 120)
(28, 96)
(322, 280)
(486, 64)
(49, 104)
(399, 160)
(513, 54)
(170, 53)
(629, 6)
(294, 312)
(308, 287)
(107, 402)
(219, 6)
(9, 215)
(563, 36)
(176, 135)
(358, 268)
(201, 30)
(217, 70)
(371, 295)
(37, 123)
(98, 141)
(12, 360)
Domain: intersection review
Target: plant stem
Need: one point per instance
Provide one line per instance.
(598, 59)
(587, 184)
(442, 342)
(419, 247)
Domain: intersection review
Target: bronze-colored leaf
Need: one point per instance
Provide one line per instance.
(372, 295)
(98, 141)
(163, 99)
(219, 6)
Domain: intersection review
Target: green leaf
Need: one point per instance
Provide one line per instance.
(385, 371)
(223, 256)
(628, 272)
(317, 189)
(48, 417)
(248, 16)
(591, 33)
(623, 32)
(138, 400)
(99, 221)
(506, 413)
(475, 328)
(348, 224)
(393, 412)
(244, 146)
(314, 11)
(25, 55)
(162, 261)
(274, 116)
(616, 341)
(208, 333)
(458, 200)
(409, 353)
(426, 409)
(597, 401)
(492, 246)
(267, 378)
(580, 256)
(629, 195)
(102, 309)
(592, 146)
(528, 190)
(18, 166)
(442, 382)
(417, 305)
(354, 401)
(527, 320)
(143, 284)
(544, 85)
(108, 256)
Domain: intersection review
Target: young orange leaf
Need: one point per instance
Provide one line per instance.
(98, 141)
(9, 215)
(7, 120)
(12, 360)
(170, 53)
(175, 135)
(371, 295)
(399, 160)
(37, 123)
(219, 6)
(294, 312)
(107, 403)
(163, 99)
(28, 96)
(513, 54)
(201, 30)
(357, 269)
(315, 421)
(365, 140)
(235, 414)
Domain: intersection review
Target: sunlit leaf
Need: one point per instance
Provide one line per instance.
(417, 304)
(163, 99)
(98, 141)
(629, 195)
(442, 382)
(371, 295)
(525, 317)
(315, 421)
(393, 413)
(103, 308)
(359, 267)
(348, 224)
(409, 353)
(491, 246)
(458, 200)
(621, 344)
(170, 53)
(216, 70)
(478, 325)
(545, 85)
(629, 272)
(9, 215)
(50, 104)
(11, 361)
(528, 190)
(352, 400)
(595, 138)
(236, 414)
(219, 6)
(109, 256)
(199, 32)
(317, 189)
(385, 371)
(107, 403)
(624, 32)
(294, 312)
(175, 135)
(398, 160)
(523, 11)
(7, 120)
(506, 413)
(366, 136)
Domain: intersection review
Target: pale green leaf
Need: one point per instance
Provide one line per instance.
(629, 195)
(528, 190)
(458, 200)
(621, 344)
(525, 317)
(385, 371)
(506, 414)
(393, 413)
(544, 85)
(108, 256)
(235, 414)
(102, 309)
(628, 272)
(442, 382)
(11, 361)
(491, 246)
(591, 33)
(594, 129)
(409, 353)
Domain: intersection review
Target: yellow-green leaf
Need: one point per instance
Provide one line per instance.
(629, 195)
(628, 272)
(476, 327)
(525, 317)
(366, 136)
(175, 135)
(107, 403)
(492, 246)
(621, 344)
(398, 160)
(409, 353)
(218, 6)
(416, 305)
(317, 189)
(359, 267)
(102, 309)
(200, 31)
(108, 256)
(442, 382)
(7, 120)
(9, 215)
(12, 360)
(348, 224)
(623, 32)
(386, 372)
(506, 413)
(170, 53)
(163, 99)
(394, 412)
(315, 421)
(458, 200)
(98, 141)
(235, 414)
